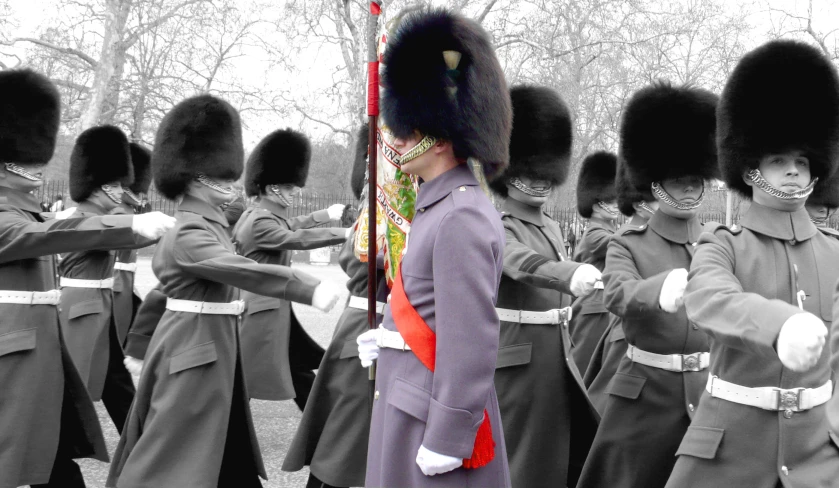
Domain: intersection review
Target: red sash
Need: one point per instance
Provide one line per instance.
(423, 343)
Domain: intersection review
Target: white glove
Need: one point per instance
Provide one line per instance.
(432, 463)
(368, 351)
(335, 211)
(152, 225)
(326, 296)
(673, 290)
(64, 214)
(800, 341)
(134, 366)
(583, 280)
(349, 232)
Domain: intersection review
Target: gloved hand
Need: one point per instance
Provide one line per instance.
(326, 296)
(801, 341)
(349, 232)
(134, 366)
(432, 463)
(335, 211)
(368, 351)
(64, 214)
(583, 280)
(152, 225)
(673, 290)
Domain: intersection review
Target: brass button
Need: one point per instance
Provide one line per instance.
(785, 470)
(695, 327)
(691, 407)
(376, 395)
(788, 414)
(462, 188)
(422, 210)
(792, 242)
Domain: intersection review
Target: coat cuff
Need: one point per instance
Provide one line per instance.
(299, 292)
(451, 431)
(648, 295)
(321, 216)
(136, 345)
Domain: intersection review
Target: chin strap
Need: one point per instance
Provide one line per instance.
(760, 182)
(416, 151)
(820, 222)
(138, 199)
(646, 206)
(13, 168)
(666, 198)
(111, 194)
(276, 191)
(518, 185)
(605, 208)
(210, 183)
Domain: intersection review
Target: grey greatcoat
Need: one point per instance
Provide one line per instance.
(548, 422)
(43, 397)
(451, 272)
(277, 354)
(190, 424)
(332, 436)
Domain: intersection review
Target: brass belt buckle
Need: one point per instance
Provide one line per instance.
(789, 401)
(692, 362)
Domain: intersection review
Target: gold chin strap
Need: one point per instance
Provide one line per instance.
(666, 198)
(209, 182)
(760, 182)
(275, 189)
(15, 169)
(645, 206)
(111, 194)
(416, 151)
(606, 209)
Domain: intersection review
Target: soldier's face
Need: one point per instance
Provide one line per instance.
(818, 212)
(17, 182)
(686, 190)
(788, 172)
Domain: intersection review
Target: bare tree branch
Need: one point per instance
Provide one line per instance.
(65, 50)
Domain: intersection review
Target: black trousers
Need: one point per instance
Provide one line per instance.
(65, 474)
(118, 392)
(302, 380)
(316, 483)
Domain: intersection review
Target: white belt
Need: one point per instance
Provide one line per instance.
(74, 283)
(51, 297)
(552, 317)
(361, 304)
(391, 339)
(131, 267)
(670, 362)
(213, 308)
(770, 398)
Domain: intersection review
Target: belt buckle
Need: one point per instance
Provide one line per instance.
(240, 306)
(692, 362)
(789, 400)
(560, 315)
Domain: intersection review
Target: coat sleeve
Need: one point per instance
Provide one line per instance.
(309, 220)
(597, 239)
(145, 323)
(525, 265)
(23, 238)
(716, 302)
(465, 271)
(626, 293)
(270, 235)
(198, 251)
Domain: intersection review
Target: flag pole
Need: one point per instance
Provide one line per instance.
(372, 151)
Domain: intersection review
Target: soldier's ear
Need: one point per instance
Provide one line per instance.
(746, 179)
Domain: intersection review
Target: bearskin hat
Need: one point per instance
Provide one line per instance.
(202, 134)
(826, 193)
(441, 78)
(141, 159)
(596, 182)
(359, 168)
(100, 156)
(668, 132)
(627, 192)
(540, 144)
(282, 157)
(30, 111)
(782, 96)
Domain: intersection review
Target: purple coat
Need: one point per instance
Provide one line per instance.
(451, 272)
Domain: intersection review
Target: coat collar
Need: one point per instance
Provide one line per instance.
(522, 211)
(602, 223)
(779, 224)
(89, 207)
(440, 187)
(676, 230)
(19, 199)
(274, 207)
(637, 220)
(204, 209)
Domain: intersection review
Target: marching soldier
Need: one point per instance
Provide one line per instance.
(47, 418)
(277, 355)
(548, 422)
(436, 420)
(763, 292)
(100, 165)
(596, 201)
(126, 301)
(639, 205)
(190, 423)
(333, 433)
(667, 143)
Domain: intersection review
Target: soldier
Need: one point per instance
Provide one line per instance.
(126, 300)
(277, 355)
(190, 424)
(51, 419)
(435, 418)
(332, 436)
(100, 165)
(639, 205)
(548, 421)
(823, 202)
(596, 201)
(763, 292)
(667, 143)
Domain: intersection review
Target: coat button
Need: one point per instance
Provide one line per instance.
(422, 210)
(691, 407)
(792, 242)
(785, 470)
(695, 327)
(376, 395)
(788, 414)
